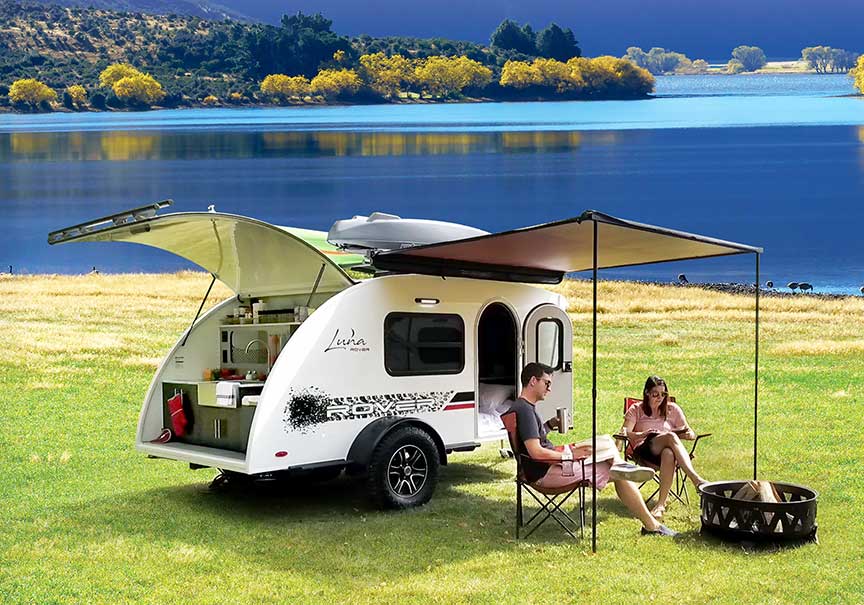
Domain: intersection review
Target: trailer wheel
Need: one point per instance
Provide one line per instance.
(403, 469)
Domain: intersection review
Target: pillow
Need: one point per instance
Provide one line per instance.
(494, 398)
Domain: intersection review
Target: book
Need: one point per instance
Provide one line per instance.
(606, 449)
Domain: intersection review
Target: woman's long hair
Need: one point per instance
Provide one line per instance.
(655, 381)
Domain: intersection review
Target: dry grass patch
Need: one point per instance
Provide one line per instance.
(819, 347)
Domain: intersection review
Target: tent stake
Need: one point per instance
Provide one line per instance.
(594, 404)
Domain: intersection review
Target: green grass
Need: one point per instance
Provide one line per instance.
(86, 519)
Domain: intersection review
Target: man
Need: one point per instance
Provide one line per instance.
(545, 469)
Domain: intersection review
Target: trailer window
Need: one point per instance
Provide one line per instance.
(549, 342)
(423, 343)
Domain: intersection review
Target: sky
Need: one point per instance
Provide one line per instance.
(701, 30)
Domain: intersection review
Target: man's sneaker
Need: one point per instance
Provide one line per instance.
(660, 531)
(630, 472)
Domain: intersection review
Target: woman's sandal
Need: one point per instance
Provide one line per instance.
(658, 511)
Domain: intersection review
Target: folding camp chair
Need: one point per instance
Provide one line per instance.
(549, 501)
(679, 487)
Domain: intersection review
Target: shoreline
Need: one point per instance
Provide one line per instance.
(721, 287)
(514, 97)
(733, 288)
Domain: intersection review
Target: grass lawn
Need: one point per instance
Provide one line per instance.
(86, 519)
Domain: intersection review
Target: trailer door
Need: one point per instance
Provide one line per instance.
(548, 339)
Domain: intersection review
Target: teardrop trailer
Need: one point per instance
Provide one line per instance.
(388, 376)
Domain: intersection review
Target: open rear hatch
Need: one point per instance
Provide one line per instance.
(251, 257)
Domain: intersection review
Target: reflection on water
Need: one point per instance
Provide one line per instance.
(148, 145)
(742, 184)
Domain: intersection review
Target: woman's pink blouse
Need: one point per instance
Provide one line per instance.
(674, 420)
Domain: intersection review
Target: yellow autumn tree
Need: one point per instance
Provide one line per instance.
(332, 83)
(518, 74)
(547, 73)
(386, 75)
(557, 75)
(31, 91)
(113, 73)
(141, 89)
(473, 73)
(77, 93)
(446, 76)
(281, 87)
(611, 76)
(857, 73)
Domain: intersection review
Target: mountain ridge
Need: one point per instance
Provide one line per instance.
(193, 8)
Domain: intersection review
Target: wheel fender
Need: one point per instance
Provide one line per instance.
(368, 439)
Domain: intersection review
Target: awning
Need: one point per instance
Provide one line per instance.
(545, 253)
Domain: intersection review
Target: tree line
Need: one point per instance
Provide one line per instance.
(190, 61)
(376, 76)
(659, 61)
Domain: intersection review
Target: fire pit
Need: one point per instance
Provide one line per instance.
(792, 518)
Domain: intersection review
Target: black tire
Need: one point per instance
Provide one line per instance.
(403, 469)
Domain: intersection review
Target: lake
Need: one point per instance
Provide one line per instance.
(774, 161)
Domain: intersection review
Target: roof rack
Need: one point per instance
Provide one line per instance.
(127, 217)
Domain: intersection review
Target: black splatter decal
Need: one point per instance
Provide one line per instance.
(306, 408)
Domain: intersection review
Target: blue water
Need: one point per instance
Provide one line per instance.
(683, 161)
(799, 85)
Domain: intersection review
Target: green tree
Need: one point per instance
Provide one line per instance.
(658, 60)
(842, 60)
(299, 46)
(817, 57)
(637, 57)
(556, 43)
(750, 57)
(734, 66)
(509, 36)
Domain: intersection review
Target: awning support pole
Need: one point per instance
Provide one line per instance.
(594, 404)
(201, 306)
(756, 378)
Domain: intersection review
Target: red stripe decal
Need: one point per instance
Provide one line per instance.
(459, 406)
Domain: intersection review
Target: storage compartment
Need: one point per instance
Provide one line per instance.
(211, 425)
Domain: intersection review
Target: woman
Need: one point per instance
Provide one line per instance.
(655, 429)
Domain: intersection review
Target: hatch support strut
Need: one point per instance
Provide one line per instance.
(201, 306)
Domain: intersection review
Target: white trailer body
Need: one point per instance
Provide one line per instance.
(376, 357)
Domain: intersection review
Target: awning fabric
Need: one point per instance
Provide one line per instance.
(544, 253)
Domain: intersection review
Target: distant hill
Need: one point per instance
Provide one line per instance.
(192, 8)
(201, 60)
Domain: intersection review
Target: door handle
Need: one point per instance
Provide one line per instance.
(568, 367)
